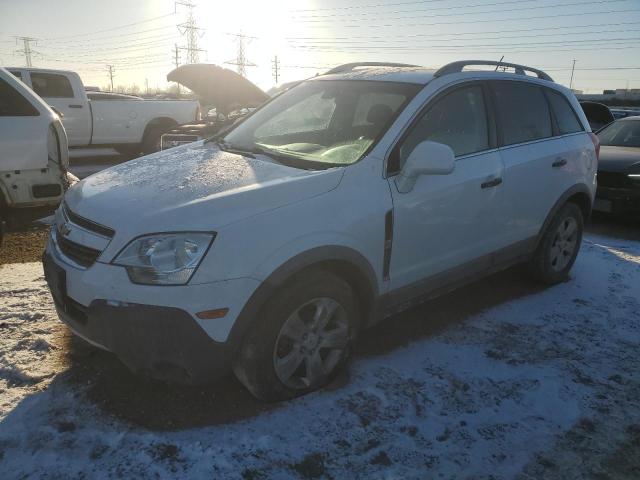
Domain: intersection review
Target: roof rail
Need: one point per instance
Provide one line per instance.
(455, 67)
(347, 67)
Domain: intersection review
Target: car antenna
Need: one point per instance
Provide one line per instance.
(499, 62)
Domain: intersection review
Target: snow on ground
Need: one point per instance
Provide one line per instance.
(545, 385)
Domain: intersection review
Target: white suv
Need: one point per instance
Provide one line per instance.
(353, 195)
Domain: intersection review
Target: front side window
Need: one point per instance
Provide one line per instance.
(623, 133)
(49, 85)
(522, 111)
(565, 115)
(13, 104)
(458, 120)
(323, 123)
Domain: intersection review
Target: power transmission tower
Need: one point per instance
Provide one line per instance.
(27, 51)
(276, 66)
(191, 31)
(111, 75)
(241, 61)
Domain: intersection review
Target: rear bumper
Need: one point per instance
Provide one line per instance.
(619, 201)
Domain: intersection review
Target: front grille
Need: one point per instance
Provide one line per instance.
(87, 224)
(614, 180)
(80, 254)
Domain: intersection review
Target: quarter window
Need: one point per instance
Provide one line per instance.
(565, 115)
(458, 120)
(49, 85)
(13, 104)
(523, 112)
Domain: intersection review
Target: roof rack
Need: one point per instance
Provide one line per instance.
(455, 67)
(347, 67)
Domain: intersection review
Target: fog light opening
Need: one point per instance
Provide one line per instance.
(212, 314)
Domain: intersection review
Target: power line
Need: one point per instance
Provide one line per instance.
(119, 27)
(191, 31)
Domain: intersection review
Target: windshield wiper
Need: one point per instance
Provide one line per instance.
(225, 147)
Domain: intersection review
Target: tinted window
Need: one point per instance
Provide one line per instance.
(458, 120)
(623, 133)
(565, 115)
(523, 112)
(16, 74)
(13, 104)
(51, 85)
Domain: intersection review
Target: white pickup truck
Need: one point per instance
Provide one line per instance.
(129, 124)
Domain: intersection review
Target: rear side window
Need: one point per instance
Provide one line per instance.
(523, 112)
(51, 85)
(565, 115)
(458, 120)
(13, 104)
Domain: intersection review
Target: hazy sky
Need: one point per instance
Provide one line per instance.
(308, 36)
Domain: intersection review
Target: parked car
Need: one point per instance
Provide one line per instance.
(598, 114)
(343, 200)
(619, 168)
(33, 154)
(227, 97)
(130, 125)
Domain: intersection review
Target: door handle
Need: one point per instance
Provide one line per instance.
(491, 183)
(75, 106)
(559, 162)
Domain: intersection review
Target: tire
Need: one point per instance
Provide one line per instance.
(559, 246)
(288, 352)
(151, 139)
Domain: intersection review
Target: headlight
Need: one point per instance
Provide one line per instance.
(164, 258)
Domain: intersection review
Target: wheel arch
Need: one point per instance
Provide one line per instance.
(578, 194)
(342, 261)
(157, 122)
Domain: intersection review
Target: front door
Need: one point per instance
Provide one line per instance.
(448, 221)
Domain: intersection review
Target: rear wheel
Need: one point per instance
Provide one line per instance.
(559, 246)
(302, 338)
(152, 137)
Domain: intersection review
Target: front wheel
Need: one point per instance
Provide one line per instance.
(301, 339)
(559, 246)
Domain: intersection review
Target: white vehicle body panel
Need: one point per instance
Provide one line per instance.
(24, 151)
(107, 122)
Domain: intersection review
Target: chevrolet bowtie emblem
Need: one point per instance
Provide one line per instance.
(65, 229)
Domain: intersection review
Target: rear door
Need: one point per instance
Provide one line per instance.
(531, 155)
(447, 221)
(59, 92)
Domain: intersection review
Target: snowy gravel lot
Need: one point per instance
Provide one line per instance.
(502, 379)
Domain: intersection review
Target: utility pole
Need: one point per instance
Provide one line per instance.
(26, 50)
(176, 55)
(241, 61)
(276, 66)
(573, 67)
(111, 75)
(191, 31)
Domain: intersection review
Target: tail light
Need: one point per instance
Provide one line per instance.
(198, 114)
(596, 144)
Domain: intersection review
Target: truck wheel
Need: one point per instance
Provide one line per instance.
(302, 338)
(151, 140)
(559, 246)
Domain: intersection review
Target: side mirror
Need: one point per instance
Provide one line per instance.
(56, 111)
(427, 158)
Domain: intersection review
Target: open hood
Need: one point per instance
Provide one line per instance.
(219, 87)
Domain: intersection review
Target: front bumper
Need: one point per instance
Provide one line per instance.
(152, 329)
(618, 201)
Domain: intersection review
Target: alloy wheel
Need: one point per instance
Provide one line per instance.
(311, 343)
(564, 244)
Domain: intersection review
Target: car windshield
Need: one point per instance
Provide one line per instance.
(324, 123)
(624, 133)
